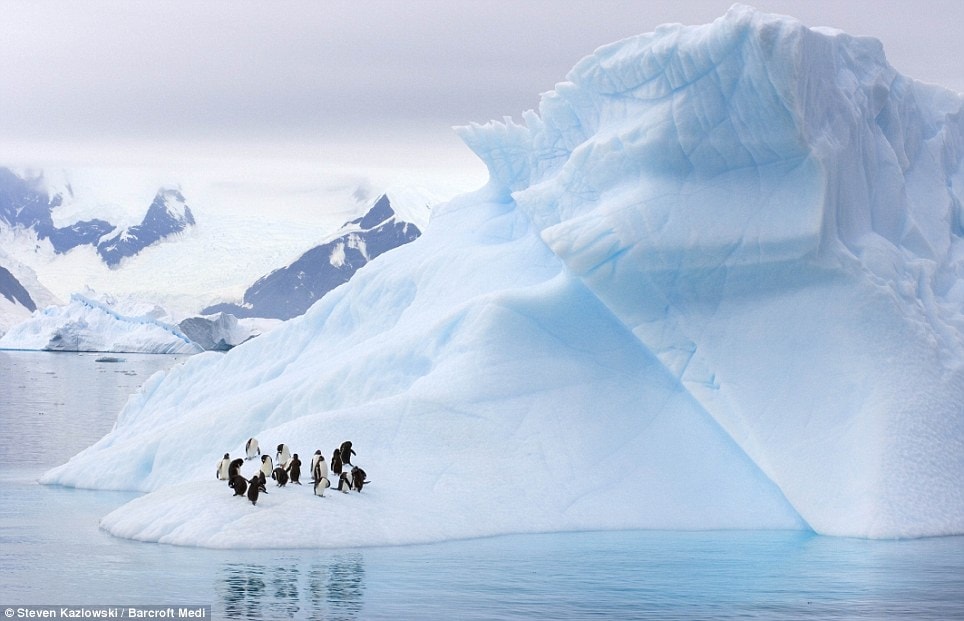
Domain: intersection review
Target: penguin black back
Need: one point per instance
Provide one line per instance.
(239, 483)
(253, 486)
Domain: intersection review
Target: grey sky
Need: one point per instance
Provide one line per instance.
(379, 79)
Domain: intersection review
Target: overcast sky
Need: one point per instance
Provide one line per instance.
(361, 81)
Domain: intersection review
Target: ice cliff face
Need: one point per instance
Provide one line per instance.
(776, 214)
(715, 282)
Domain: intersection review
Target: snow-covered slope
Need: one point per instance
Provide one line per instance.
(105, 325)
(15, 301)
(167, 216)
(20, 292)
(289, 291)
(714, 283)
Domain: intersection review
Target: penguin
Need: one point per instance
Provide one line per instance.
(252, 449)
(266, 466)
(294, 469)
(321, 485)
(358, 478)
(283, 455)
(234, 468)
(336, 462)
(224, 467)
(346, 452)
(320, 471)
(280, 475)
(239, 484)
(344, 483)
(253, 485)
(314, 461)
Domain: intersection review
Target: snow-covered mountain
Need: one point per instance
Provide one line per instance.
(20, 292)
(716, 281)
(15, 301)
(167, 216)
(250, 218)
(289, 291)
(14, 292)
(25, 203)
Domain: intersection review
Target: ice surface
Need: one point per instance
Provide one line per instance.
(775, 213)
(715, 282)
(506, 400)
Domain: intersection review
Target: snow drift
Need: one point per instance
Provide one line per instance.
(715, 282)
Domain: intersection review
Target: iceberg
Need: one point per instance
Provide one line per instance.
(715, 281)
(103, 325)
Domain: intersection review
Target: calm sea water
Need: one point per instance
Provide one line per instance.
(52, 551)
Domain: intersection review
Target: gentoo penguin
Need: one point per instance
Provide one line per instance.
(239, 484)
(357, 478)
(234, 468)
(280, 475)
(252, 449)
(283, 455)
(294, 469)
(266, 466)
(320, 469)
(321, 485)
(314, 461)
(223, 467)
(344, 483)
(336, 462)
(253, 486)
(346, 452)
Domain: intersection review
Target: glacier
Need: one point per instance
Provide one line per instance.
(715, 281)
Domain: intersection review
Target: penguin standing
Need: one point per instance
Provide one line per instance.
(346, 452)
(267, 468)
(336, 462)
(253, 486)
(283, 455)
(280, 475)
(344, 483)
(224, 467)
(319, 474)
(252, 449)
(294, 469)
(321, 485)
(239, 484)
(314, 462)
(234, 469)
(358, 478)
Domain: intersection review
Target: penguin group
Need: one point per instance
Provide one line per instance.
(288, 469)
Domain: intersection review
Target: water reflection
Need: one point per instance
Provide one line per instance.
(334, 589)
